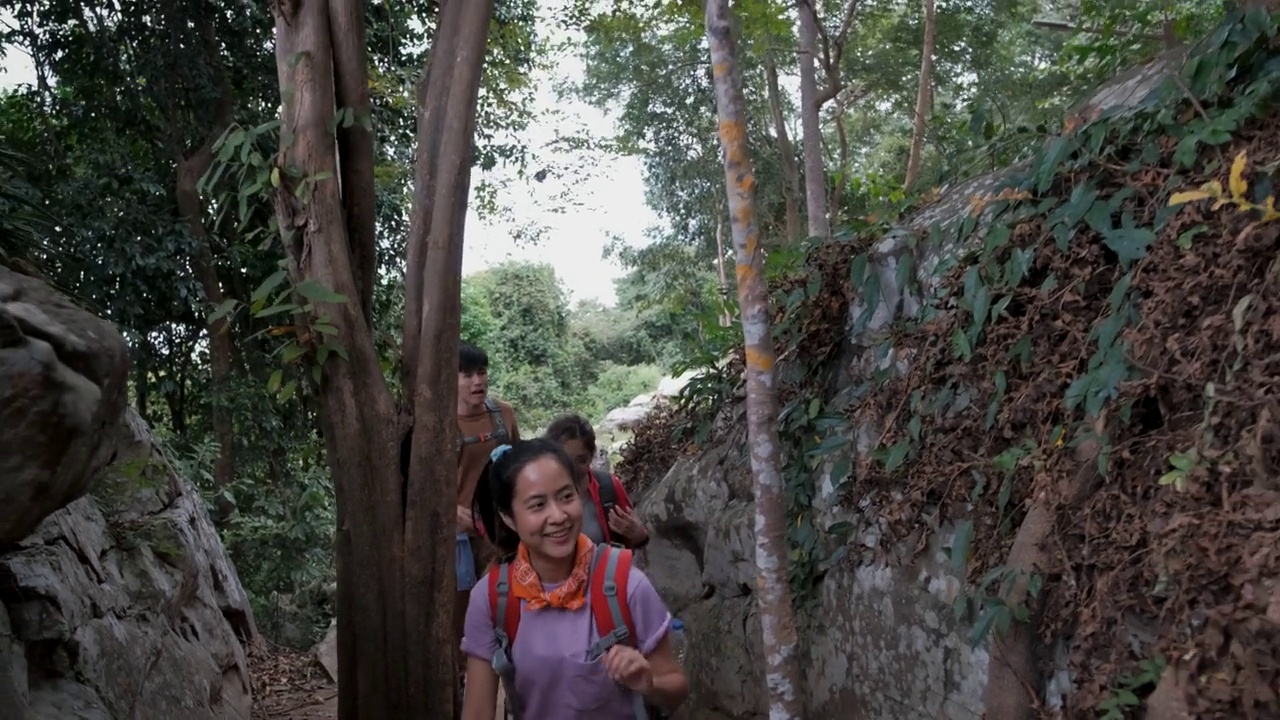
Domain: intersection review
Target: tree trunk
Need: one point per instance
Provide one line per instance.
(777, 617)
(355, 143)
(359, 417)
(394, 543)
(924, 96)
(191, 208)
(786, 152)
(726, 319)
(447, 99)
(815, 178)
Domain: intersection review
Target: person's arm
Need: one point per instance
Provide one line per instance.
(481, 701)
(670, 686)
(653, 626)
(479, 644)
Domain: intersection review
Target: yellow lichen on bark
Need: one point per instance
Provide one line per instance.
(759, 361)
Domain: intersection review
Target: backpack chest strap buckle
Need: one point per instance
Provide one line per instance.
(600, 647)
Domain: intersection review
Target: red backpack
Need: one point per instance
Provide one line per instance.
(606, 596)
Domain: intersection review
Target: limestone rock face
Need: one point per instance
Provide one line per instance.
(62, 394)
(117, 598)
(124, 603)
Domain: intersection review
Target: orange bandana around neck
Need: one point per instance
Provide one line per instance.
(569, 595)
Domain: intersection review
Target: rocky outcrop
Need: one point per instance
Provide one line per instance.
(122, 602)
(62, 393)
(884, 641)
(642, 406)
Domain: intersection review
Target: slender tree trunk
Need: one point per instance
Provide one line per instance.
(447, 99)
(924, 96)
(726, 318)
(786, 152)
(777, 617)
(191, 208)
(815, 178)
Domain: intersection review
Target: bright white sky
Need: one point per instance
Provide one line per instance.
(608, 197)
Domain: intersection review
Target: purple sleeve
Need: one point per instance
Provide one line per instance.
(648, 612)
(477, 633)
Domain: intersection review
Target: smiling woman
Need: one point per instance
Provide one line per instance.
(553, 588)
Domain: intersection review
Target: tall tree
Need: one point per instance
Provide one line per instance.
(777, 617)
(924, 98)
(394, 543)
(815, 174)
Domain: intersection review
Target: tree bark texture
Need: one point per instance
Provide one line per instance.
(786, 152)
(355, 143)
(447, 100)
(815, 174)
(923, 96)
(773, 593)
(381, 661)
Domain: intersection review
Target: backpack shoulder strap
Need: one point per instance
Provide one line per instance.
(608, 490)
(499, 431)
(610, 573)
(504, 609)
(505, 612)
(499, 425)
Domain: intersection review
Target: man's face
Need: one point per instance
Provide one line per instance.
(473, 386)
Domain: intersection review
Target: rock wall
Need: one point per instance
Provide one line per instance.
(121, 604)
(884, 642)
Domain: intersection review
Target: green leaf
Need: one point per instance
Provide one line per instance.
(268, 285)
(840, 471)
(897, 455)
(223, 310)
(1058, 149)
(273, 383)
(315, 292)
(292, 352)
(814, 406)
(1185, 238)
(984, 624)
(276, 310)
(960, 546)
(287, 391)
(1129, 244)
(961, 343)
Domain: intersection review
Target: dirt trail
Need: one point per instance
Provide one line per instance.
(291, 685)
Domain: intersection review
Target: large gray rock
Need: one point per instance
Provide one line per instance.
(62, 392)
(124, 604)
(884, 641)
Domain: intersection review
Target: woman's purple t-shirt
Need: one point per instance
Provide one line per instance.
(553, 677)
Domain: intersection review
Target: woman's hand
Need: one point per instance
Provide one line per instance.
(629, 668)
(626, 524)
(466, 521)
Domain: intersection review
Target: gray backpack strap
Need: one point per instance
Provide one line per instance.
(499, 432)
(610, 555)
(502, 659)
(499, 425)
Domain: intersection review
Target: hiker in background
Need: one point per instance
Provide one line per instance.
(483, 424)
(609, 516)
(569, 627)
